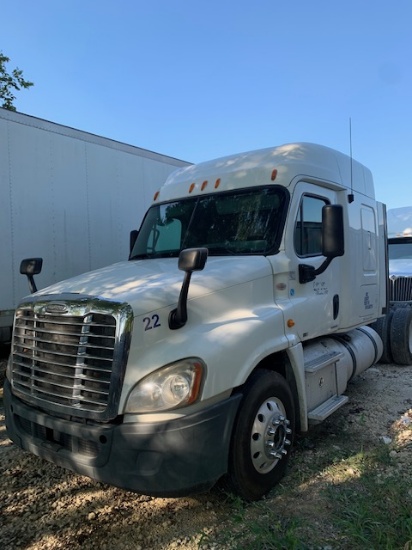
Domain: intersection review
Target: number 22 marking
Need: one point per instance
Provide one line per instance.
(151, 322)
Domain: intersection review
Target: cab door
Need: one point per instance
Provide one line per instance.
(316, 304)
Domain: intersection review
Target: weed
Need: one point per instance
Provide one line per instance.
(253, 527)
(372, 508)
(359, 501)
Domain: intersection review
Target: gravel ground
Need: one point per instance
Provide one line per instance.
(45, 507)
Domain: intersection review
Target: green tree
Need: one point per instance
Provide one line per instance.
(9, 83)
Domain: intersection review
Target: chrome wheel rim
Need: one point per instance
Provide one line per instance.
(269, 441)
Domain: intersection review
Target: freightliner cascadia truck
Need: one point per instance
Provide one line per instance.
(237, 321)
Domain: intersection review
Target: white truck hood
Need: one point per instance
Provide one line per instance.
(148, 285)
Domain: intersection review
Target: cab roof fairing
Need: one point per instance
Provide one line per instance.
(255, 168)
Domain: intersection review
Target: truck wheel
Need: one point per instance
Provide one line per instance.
(401, 336)
(262, 436)
(383, 327)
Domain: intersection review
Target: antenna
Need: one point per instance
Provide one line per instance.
(351, 196)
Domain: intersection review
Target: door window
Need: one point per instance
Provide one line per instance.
(308, 228)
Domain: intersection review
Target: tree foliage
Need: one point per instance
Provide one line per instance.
(9, 83)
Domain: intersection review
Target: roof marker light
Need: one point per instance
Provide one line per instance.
(192, 186)
(203, 185)
(156, 195)
(217, 183)
(274, 174)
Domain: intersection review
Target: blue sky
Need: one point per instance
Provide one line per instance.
(198, 80)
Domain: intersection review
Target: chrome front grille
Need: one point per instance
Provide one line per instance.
(71, 362)
(400, 289)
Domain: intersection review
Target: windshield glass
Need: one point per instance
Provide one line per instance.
(237, 222)
(400, 251)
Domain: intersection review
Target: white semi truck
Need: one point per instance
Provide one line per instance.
(239, 318)
(69, 197)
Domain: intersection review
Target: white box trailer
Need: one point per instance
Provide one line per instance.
(67, 196)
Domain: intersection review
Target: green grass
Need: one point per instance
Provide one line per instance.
(374, 510)
(353, 500)
(253, 527)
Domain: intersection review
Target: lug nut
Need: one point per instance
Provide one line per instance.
(276, 455)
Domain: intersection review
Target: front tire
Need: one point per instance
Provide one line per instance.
(263, 435)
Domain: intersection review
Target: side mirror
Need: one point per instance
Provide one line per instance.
(30, 267)
(333, 242)
(191, 259)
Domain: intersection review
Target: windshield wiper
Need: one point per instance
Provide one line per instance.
(156, 255)
(220, 251)
(140, 257)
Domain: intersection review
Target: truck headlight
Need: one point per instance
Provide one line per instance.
(170, 387)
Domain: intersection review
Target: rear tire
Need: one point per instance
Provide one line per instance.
(401, 335)
(262, 437)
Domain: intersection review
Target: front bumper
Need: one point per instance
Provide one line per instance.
(175, 458)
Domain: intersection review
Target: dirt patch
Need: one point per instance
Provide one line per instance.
(46, 507)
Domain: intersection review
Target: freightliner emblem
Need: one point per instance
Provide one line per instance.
(56, 308)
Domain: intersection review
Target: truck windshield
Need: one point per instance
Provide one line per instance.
(400, 250)
(230, 223)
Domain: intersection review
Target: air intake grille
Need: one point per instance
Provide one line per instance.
(65, 361)
(400, 289)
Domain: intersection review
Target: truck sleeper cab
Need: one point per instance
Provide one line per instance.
(239, 319)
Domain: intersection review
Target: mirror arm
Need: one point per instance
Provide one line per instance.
(308, 273)
(178, 316)
(32, 284)
(190, 259)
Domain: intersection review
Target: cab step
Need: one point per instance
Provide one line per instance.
(325, 409)
(314, 365)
